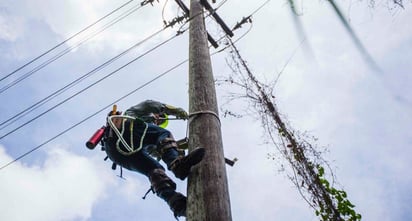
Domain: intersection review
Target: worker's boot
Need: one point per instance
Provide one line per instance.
(181, 165)
(165, 188)
(177, 204)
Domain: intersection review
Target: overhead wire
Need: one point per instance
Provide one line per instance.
(36, 105)
(104, 108)
(88, 87)
(244, 20)
(94, 114)
(220, 4)
(260, 7)
(41, 102)
(288, 61)
(70, 85)
(163, 11)
(170, 24)
(238, 25)
(76, 81)
(68, 39)
(67, 50)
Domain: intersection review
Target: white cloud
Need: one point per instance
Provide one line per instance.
(340, 101)
(10, 28)
(11, 24)
(68, 17)
(64, 188)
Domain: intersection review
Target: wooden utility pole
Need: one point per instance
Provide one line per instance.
(208, 194)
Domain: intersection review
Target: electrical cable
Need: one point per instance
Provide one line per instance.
(73, 83)
(78, 80)
(104, 108)
(260, 7)
(235, 41)
(170, 24)
(163, 11)
(67, 50)
(94, 114)
(88, 87)
(220, 4)
(65, 88)
(238, 25)
(68, 39)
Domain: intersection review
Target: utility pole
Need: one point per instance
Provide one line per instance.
(208, 194)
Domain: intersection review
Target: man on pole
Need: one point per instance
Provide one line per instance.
(133, 140)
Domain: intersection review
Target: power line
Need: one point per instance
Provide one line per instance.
(104, 108)
(91, 85)
(94, 114)
(68, 39)
(239, 24)
(81, 78)
(73, 83)
(48, 98)
(67, 50)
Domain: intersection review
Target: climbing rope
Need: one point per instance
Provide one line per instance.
(119, 134)
(197, 113)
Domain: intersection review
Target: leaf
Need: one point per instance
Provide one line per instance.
(321, 171)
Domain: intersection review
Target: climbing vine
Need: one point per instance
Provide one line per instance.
(344, 206)
(304, 160)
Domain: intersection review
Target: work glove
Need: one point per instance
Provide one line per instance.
(181, 114)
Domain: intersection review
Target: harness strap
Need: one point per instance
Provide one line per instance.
(148, 191)
(130, 148)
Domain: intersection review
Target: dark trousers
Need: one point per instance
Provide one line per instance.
(141, 161)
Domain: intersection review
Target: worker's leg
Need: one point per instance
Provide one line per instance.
(167, 148)
(140, 161)
(165, 188)
(143, 163)
(163, 139)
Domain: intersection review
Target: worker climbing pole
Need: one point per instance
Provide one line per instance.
(135, 138)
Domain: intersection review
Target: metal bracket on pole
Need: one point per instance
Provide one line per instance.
(187, 12)
(230, 162)
(212, 11)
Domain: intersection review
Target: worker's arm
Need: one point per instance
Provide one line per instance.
(176, 111)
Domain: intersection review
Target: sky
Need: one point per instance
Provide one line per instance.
(363, 117)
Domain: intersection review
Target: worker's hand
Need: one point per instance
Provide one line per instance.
(182, 114)
(156, 119)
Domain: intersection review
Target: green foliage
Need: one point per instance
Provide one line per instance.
(344, 206)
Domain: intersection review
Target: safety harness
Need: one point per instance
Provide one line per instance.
(131, 149)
